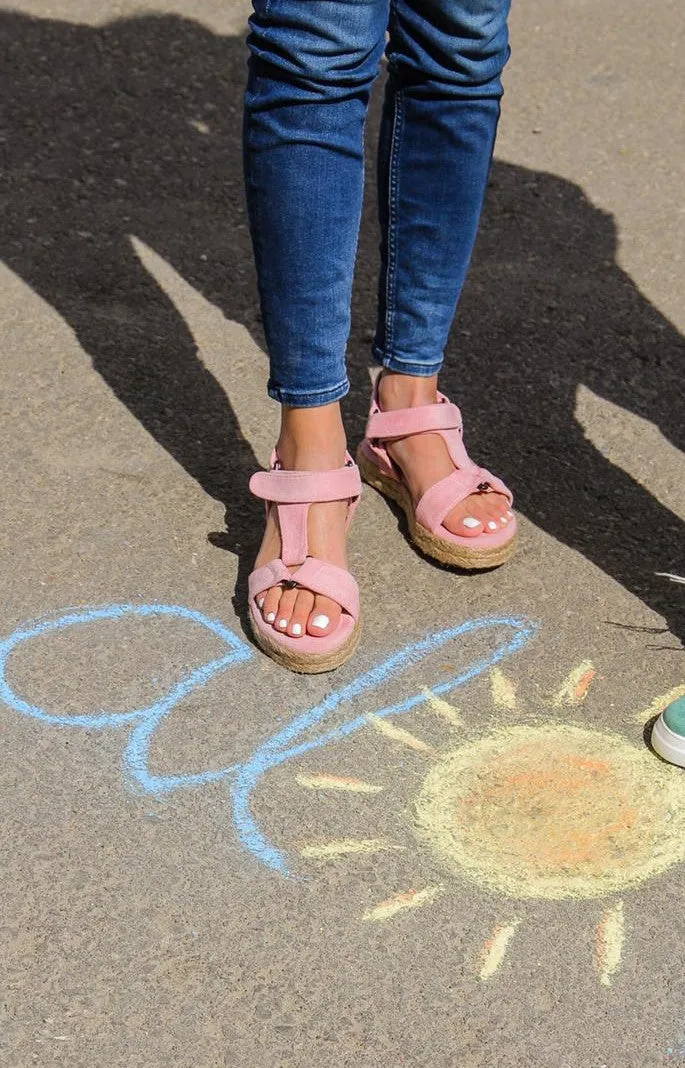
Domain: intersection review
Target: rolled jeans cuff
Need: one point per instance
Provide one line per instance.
(404, 366)
(307, 398)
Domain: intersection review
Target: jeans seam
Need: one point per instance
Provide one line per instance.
(393, 198)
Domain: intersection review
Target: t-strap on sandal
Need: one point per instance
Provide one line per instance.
(425, 519)
(292, 492)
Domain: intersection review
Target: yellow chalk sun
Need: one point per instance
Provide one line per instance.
(548, 812)
(553, 812)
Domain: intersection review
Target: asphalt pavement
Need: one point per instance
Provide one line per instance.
(457, 851)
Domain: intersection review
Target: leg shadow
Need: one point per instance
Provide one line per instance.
(135, 128)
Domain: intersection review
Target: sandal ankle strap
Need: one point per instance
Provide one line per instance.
(403, 422)
(307, 487)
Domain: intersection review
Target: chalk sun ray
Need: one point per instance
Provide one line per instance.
(402, 736)
(575, 686)
(503, 690)
(324, 781)
(656, 707)
(610, 938)
(494, 950)
(408, 899)
(344, 846)
(443, 709)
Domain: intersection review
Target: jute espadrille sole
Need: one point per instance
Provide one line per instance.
(309, 664)
(442, 550)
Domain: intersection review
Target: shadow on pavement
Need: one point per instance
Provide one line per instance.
(134, 128)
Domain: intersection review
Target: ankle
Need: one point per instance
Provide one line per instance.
(312, 439)
(406, 391)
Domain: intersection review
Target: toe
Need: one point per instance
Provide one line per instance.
(464, 520)
(470, 526)
(285, 610)
(324, 617)
(300, 614)
(490, 508)
(481, 513)
(499, 508)
(271, 602)
(485, 505)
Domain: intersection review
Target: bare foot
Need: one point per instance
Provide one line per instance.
(311, 439)
(424, 459)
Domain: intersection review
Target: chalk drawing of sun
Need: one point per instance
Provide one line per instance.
(553, 811)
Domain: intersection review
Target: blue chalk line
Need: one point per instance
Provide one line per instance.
(281, 746)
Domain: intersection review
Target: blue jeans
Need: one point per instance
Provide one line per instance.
(311, 66)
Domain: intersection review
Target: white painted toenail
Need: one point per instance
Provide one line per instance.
(297, 629)
(503, 519)
(492, 526)
(471, 522)
(283, 623)
(260, 602)
(320, 622)
(510, 514)
(271, 617)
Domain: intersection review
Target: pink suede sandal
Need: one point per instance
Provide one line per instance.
(292, 492)
(425, 519)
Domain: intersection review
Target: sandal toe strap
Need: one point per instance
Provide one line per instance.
(438, 501)
(314, 575)
(266, 576)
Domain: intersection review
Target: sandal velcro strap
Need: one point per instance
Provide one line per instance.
(266, 576)
(314, 575)
(406, 421)
(307, 487)
(328, 580)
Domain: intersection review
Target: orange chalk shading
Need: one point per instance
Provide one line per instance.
(575, 687)
(402, 737)
(494, 949)
(337, 782)
(580, 692)
(609, 943)
(410, 899)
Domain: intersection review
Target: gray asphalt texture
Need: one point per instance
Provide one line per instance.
(140, 930)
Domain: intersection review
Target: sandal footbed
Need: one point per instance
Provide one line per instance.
(283, 649)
